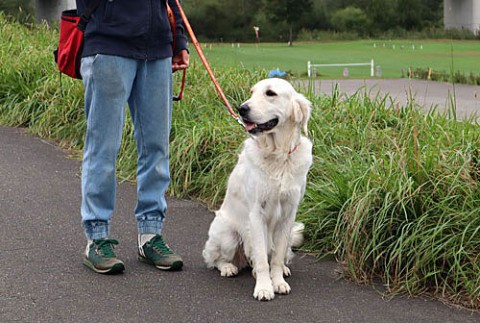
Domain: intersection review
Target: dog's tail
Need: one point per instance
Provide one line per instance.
(296, 238)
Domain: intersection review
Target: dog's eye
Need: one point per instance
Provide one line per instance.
(270, 93)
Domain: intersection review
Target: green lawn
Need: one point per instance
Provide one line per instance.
(391, 56)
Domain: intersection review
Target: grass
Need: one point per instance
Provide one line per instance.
(393, 193)
(391, 56)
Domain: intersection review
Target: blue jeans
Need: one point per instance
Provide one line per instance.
(110, 82)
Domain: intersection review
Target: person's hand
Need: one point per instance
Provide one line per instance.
(180, 61)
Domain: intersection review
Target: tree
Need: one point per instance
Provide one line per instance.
(289, 11)
(432, 13)
(282, 20)
(350, 19)
(228, 20)
(409, 14)
(316, 18)
(381, 14)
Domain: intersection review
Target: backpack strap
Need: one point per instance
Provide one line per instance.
(85, 17)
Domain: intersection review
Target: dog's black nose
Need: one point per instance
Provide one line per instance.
(243, 110)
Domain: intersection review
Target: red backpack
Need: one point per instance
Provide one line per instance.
(70, 44)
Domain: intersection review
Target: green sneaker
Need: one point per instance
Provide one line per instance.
(101, 258)
(156, 252)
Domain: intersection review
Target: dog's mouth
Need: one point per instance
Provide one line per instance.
(254, 128)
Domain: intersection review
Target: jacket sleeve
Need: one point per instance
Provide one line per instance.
(181, 38)
(80, 6)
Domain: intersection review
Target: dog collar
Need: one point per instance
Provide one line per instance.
(293, 150)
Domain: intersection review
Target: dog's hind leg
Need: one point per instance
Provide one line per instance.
(222, 244)
(296, 241)
(296, 237)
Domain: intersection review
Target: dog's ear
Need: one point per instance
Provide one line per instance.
(301, 111)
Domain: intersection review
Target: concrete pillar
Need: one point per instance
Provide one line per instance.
(50, 10)
(462, 14)
(476, 18)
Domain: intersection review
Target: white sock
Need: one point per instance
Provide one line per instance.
(144, 238)
(89, 242)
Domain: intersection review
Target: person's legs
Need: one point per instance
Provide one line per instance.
(151, 109)
(108, 81)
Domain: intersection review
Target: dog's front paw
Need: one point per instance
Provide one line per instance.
(228, 270)
(282, 287)
(266, 294)
(263, 288)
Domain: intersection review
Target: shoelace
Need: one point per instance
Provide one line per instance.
(159, 245)
(105, 247)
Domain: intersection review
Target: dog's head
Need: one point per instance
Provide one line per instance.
(274, 103)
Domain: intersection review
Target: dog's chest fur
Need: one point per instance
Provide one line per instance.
(285, 170)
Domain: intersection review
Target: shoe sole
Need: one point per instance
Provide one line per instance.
(115, 269)
(177, 265)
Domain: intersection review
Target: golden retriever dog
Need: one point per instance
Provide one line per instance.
(255, 225)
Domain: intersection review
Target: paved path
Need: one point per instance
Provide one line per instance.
(42, 278)
(466, 98)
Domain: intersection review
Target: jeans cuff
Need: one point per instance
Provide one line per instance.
(96, 229)
(150, 223)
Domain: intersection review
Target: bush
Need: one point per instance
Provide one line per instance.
(442, 76)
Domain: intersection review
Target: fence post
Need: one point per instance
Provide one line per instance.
(308, 69)
(372, 69)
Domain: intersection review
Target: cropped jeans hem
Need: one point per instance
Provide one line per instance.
(96, 229)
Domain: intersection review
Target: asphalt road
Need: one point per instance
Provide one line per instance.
(42, 278)
(464, 99)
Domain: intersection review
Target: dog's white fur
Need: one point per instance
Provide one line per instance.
(256, 223)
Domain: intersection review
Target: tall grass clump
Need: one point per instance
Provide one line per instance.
(443, 76)
(31, 91)
(393, 193)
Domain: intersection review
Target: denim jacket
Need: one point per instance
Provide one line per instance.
(136, 29)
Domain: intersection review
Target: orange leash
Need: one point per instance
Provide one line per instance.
(171, 20)
(198, 47)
